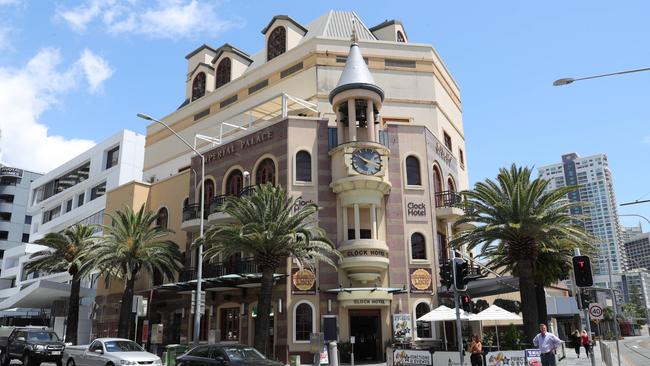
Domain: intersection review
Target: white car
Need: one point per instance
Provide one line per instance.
(109, 352)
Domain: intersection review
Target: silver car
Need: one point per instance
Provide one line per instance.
(109, 352)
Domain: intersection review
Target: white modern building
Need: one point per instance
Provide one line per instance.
(72, 193)
(631, 232)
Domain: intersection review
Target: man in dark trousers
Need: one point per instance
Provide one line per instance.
(547, 343)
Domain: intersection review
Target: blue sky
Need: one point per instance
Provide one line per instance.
(74, 72)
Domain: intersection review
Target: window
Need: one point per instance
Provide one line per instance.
(7, 198)
(209, 191)
(409, 64)
(223, 72)
(303, 166)
(277, 43)
(4, 235)
(198, 86)
(234, 183)
(80, 199)
(265, 172)
(51, 214)
(447, 140)
(98, 191)
(68, 205)
(202, 351)
(437, 180)
(423, 328)
(442, 247)
(162, 217)
(261, 85)
(332, 138)
(5, 216)
(112, 156)
(304, 321)
(413, 171)
(400, 37)
(461, 157)
(9, 181)
(291, 70)
(60, 184)
(228, 101)
(229, 324)
(451, 186)
(418, 246)
(25, 238)
(28, 220)
(97, 345)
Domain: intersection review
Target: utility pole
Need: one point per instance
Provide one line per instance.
(614, 302)
(586, 315)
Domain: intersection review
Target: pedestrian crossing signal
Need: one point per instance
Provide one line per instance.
(582, 271)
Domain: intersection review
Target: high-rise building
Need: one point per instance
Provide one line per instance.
(631, 232)
(637, 252)
(74, 192)
(599, 215)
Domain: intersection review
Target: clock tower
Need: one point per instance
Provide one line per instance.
(360, 181)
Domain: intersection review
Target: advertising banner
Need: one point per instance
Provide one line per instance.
(449, 359)
(402, 328)
(407, 357)
(421, 282)
(533, 357)
(303, 282)
(506, 358)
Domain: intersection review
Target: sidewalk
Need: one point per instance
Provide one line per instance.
(572, 360)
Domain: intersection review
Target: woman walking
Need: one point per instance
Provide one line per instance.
(585, 342)
(476, 351)
(576, 341)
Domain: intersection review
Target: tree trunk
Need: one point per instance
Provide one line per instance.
(124, 326)
(263, 320)
(542, 311)
(528, 299)
(73, 311)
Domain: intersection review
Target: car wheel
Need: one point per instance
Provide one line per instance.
(27, 360)
(4, 359)
(59, 363)
(70, 362)
(110, 364)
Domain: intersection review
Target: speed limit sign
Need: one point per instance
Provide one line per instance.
(596, 311)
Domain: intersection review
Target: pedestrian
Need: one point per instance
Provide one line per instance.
(547, 343)
(585, 342)
(476, 351)
(576, 341)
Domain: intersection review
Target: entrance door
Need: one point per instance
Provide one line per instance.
(366, 328)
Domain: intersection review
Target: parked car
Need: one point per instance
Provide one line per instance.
(224, 354)
(109, 352)
(31, 345)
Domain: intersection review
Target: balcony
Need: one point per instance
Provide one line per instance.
(215, 270)
(364, 260)
(192, 217)
(448, 205)
(215, 215)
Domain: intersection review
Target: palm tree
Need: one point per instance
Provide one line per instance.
(66, 252)
(133, 244)
(270, 229)
(517, 223)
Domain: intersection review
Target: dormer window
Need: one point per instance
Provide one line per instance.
(400, 37)
(198, 86)
(223, 72)
(277, 43)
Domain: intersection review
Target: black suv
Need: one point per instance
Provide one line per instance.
(32, 346)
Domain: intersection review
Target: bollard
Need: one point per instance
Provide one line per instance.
(334, 354)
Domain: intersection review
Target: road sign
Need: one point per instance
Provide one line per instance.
(596, 311)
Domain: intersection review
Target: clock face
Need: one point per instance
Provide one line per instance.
(366, 161)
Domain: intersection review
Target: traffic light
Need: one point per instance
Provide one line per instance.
(466, 303)
(460, 274)
(446, 277)
(582, 271)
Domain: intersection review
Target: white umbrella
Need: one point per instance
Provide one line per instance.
(443, 313)
(495, 313)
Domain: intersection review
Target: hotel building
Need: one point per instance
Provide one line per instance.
(369, 129)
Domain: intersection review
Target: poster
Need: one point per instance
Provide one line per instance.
(324, 356)
(402, 328)
(407, 357)
(533, 357)
(506, 358)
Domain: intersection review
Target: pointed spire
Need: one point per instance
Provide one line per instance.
(355, 74)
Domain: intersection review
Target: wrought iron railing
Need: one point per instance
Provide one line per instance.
(448, 199)
(217, 203)
(213, 270)
(193, 211)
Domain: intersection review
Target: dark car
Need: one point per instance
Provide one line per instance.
(32, 346)
(224, 355)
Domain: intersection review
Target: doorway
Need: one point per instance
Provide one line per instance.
(366, 328)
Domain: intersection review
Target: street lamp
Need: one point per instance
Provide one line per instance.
(566, 81)
(199, 257)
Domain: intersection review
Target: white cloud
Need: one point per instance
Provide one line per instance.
(27, 92)
(95, 68)
(170, 19)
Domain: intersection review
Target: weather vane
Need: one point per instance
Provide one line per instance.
(354, 31)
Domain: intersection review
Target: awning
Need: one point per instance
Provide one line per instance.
(495, 313)
(41, 294)
(443, 313)
(390, 290)
(222, 283)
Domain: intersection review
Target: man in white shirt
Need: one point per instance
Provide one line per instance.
(547, 343)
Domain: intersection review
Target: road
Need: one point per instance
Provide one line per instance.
(635, 351)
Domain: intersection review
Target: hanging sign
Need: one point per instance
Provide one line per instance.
(421, 280)
(303, 282)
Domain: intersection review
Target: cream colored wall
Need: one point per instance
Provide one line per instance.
(204, 56)
(238, 66)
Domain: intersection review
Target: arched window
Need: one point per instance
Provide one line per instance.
(303, 166)
(223, 72)
(413, 171)
(451, 186)
(277, 44)
(265, 172)
(304, 321)
(234, 183)
(418, 246)
(209, 191)
(400, 37)
(423, 328)
(186, 201)
(162, 217)
(198, 86)
(437, 186)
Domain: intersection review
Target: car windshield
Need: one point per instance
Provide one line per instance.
(122, 346)
(243, 353)
(42, 336)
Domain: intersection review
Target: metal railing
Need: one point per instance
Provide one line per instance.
(193, 211)
(213, 270)
(448, 199)
(218, 201)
